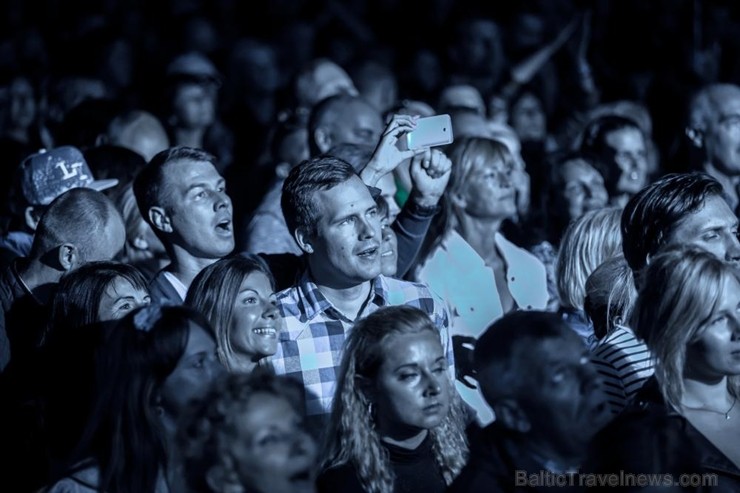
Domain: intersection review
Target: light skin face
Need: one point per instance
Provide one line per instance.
(388, 250)
(584, 188)
(489, 192)
(273, 452)
(715, 351)
(255, 319)
(722, 138)
(345, 251)
(528, 119)
(192, 376)
(388, 189)
(412, 388)
(629, 154)
(200, 210)
(569, 405)
(355, 123)
(119, 298)
(194, 106)
(712, 228)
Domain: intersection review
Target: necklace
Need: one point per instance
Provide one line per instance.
(726, 413)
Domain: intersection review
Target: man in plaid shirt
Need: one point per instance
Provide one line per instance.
(334, 219)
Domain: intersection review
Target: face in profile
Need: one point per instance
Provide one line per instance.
(346, 246)
(566, 405)
(715, 350)
(712, 228)
(388, 250)
(583, 188)
(119, 298)
(272, 451)
(722, 139)
(629, 154)
(199, 209)
(255, 322)
(197, 368)
(412, 388)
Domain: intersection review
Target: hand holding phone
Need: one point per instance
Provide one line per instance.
(431, 131)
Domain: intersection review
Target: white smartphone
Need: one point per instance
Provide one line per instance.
(430, 132)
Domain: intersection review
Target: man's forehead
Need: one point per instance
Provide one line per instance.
(725, 102)
(343, 198)
(713, 213)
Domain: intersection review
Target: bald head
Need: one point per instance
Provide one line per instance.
(343, 120)
(84, 225)
(140, 132)
(321, 79)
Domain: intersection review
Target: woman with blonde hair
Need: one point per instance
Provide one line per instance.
(396, 421)
(688, 313)
(236, 295)
(588, 241)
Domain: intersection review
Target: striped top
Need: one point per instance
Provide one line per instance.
(624, 363)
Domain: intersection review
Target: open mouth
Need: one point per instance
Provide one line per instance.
(387, 253)
(368, 253)
(265, 331)
(224, 226)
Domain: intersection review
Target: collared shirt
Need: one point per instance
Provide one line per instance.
(310, 347)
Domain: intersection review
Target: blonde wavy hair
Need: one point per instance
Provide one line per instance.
(352, 437)
(588, 241)
(683, 289)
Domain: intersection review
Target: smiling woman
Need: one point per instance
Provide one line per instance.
(396, 423)
(236, 294)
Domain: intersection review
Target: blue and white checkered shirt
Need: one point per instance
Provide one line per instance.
(310, 348)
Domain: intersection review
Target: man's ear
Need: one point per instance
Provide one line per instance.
(304, 240)
(160, 219)
(68, 256)
(696, 136)
(32, 217)
(323, 139)
(510, 414)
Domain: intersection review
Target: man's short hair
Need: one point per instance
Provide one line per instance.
(298, 204)
(650, 216)
(78, 216)
(149, 185)
(497, 355)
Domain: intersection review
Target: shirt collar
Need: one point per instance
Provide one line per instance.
(314, 303)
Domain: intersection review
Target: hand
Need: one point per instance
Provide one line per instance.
(523, 72)
(388, 154)
(430, 172)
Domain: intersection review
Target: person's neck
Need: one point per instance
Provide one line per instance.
(479, 234)
(347, 299)
(409, 441)
(190, 137)
(549, 457)
(39, 278)
(706, 393)
(185, 267)
(729, 183)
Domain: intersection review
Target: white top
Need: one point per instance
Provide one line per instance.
(461, 277)
(181, 289)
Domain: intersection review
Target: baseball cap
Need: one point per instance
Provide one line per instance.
(48, 174)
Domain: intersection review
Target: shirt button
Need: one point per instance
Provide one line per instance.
(529, 307)
(513, 279)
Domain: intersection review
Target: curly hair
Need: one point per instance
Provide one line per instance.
(684, 291)
(210, 427)
(352, 437)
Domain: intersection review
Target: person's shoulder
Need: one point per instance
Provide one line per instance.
(400, 292)
(341, 478)
(82, 481)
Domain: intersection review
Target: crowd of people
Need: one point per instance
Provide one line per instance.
(222, 270)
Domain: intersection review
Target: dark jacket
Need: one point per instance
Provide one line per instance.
(651, 437)
(498, 464)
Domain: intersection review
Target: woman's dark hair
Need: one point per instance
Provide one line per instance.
(123, 436)
(77, 299)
